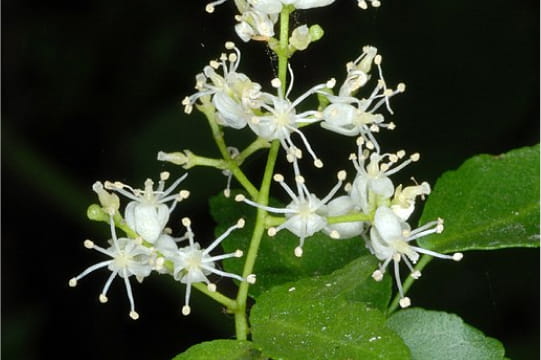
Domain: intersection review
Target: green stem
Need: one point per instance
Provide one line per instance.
(349, 218)
(241, 322)
(284, 44)
(425, 259)
(208, 109)
(229, 303)
(258, 144)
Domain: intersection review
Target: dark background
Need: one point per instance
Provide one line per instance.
(91, 91)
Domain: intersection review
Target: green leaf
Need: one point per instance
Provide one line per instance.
(490, 202)
(276, 262)
(222, 350)
(435, 335)
(312, 319)
(352, 282)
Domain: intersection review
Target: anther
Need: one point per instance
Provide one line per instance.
(318, 163)
(240, 224)
(405, 302)
(239, 253)
(240, 197)
(250, 279)
(186, 221)
(89, 244)
(334, 234)
(457, 256)
(278, 177)
(401, 87)
(72, 282)
(377, 275)
(103, 299)
(298, 251)
(164, 175)
(377, 59)
(415, 157)
(331, 83)
(271, 231)
(416, 274)
(186, 310)
(211, 287)
(276, 83)
(229, 45)
(134, 315)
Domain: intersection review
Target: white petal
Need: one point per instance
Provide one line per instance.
(388, 225)
(382, 186)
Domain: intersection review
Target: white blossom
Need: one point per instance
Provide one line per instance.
(281, 120)
(350, 116)
(305, 214)
(403, 202)
(253, 24)
(342, 205)
(390, 239)
(233, 94)
(193, 264)
(148, 212)
(128, 257)
(275, 6)
(372, 184)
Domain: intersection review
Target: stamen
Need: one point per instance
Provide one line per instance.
(405, 302)
(377, 275)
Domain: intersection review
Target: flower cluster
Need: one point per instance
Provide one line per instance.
(149, 246)
(257, 18)
(371, 208)
(379, 209)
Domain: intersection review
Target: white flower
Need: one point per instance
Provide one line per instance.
(358, 71)
(372, 184)
(403, 202)
(282, 119)
(193, 264)
(109, 202)
(275, 6)
(148, 212)
(233, 94)
(128, 257)
(350, 116)
(343, 205)
(390, 239)
(255, 25)
(304, 213)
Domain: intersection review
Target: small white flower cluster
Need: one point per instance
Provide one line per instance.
(257, 18)
(152, 248)
(383, 208)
